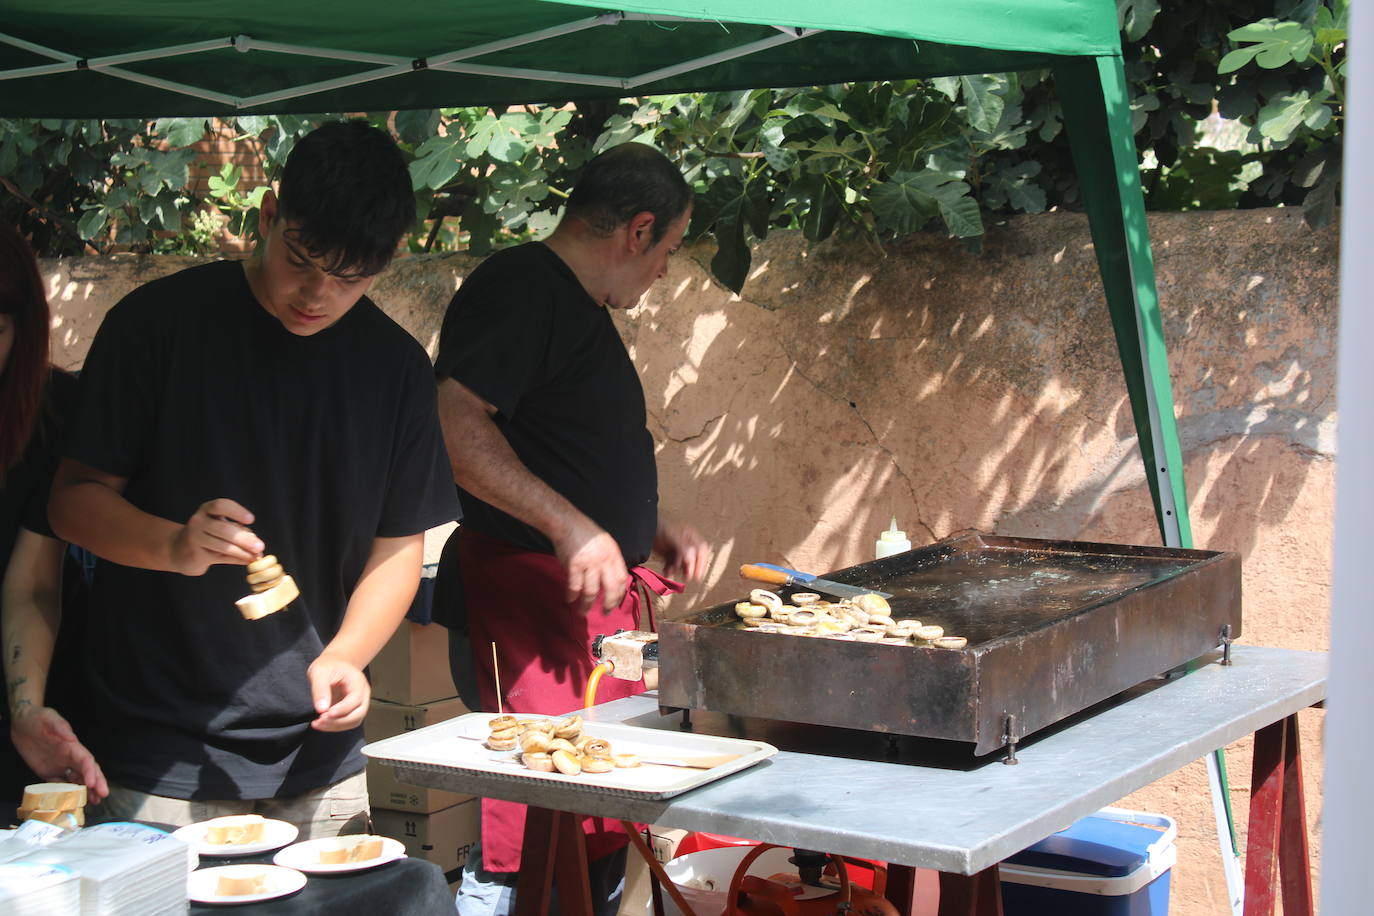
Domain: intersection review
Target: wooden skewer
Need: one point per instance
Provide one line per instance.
(496, 673)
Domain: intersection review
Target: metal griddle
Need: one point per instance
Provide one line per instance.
(1053, 627)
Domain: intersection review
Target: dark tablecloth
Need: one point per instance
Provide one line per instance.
(406, 887)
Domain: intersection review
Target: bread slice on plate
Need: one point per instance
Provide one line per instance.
(242, 880)
(235, 829)
(344, 850)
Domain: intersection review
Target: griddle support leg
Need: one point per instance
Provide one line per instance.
(686, 724)
(1278, 825)
(1226, 640)
(553, 849)
(971, 895)
(1010, 736)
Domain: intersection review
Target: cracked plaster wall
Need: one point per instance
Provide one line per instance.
(955, 390)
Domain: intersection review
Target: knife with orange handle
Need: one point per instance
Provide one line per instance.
(781, 575)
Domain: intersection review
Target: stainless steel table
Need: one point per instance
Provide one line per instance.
(916, 803)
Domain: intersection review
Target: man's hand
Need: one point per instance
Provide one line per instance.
(217, 533)
(685, 552)
(46, 742)
(340, 692)
(591, 558)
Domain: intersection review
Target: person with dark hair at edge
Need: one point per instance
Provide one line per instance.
(241, 408)
(543, 413)
(41, 592)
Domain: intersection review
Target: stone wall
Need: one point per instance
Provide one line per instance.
(955, 390)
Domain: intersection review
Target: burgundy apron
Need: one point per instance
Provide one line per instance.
(517, 599)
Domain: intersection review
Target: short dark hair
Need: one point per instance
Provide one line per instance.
(347, 190)
(628, 179)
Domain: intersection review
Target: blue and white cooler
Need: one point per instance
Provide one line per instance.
(1112, 863)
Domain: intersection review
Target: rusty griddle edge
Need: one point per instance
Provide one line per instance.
(1041, 674)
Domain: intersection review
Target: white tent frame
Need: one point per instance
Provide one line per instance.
(389, 65)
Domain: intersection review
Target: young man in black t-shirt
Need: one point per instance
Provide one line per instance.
(544, 416)
(238, 409)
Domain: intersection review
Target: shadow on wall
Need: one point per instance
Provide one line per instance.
(955, 391)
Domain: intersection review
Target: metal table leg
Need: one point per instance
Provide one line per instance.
(1277, 836)
(553, 850)
(971, 895)
(901, 888)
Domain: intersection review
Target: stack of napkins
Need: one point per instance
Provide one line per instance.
(28, 889)
(125, 869)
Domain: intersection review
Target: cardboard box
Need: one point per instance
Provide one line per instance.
(383, 789)
(386, 719)
(444, 837)
(412, 667)
(637, 898)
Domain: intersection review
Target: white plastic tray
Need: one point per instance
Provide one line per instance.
(444, 747)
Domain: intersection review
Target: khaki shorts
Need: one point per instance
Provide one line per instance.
(329, 811)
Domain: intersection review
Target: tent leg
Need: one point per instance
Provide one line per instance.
(1098, 121)
(1230, 861)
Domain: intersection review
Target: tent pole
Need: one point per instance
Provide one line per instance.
(1097, 116)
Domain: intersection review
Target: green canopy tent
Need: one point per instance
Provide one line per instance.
(142, 58)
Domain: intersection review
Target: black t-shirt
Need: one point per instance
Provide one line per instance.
(192, 391)
(523, 334)
(24, 504)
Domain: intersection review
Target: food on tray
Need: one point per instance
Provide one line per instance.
(61, 803)
(867, 618)
(568, 728)
(537, 761)
(241, 880)
(567, 763)
(235, 830)
(536, 742)
(504, 732)
(556, 745)
(596, 764)
(344, 850)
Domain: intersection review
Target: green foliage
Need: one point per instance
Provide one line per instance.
(1234, 103)
(1275, 69)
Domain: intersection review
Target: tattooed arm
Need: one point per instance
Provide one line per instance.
(30, 611)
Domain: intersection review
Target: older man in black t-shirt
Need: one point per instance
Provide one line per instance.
(234, 409)
(544, 417)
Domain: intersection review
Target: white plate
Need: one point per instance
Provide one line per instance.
(306, 857)
(275, 835)
(449, 747)
(201, 886)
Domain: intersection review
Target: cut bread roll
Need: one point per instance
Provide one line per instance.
(235, 829)
(54, 796)
(347, 849)
(241, 880)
